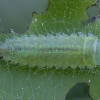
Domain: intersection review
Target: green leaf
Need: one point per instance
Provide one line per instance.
(24, 83)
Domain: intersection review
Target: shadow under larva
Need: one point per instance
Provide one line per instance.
(60, 51)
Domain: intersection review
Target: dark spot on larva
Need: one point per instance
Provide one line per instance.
(1, 57)
(79, 92)
(17, 48)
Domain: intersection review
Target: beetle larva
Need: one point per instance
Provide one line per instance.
(60, 51)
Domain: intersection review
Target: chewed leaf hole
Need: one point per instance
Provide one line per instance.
(17, 15)
(93, 12)
(79, 92)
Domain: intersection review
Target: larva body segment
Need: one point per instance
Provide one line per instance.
(60, 51)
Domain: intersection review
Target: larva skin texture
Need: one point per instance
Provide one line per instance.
(60, 51)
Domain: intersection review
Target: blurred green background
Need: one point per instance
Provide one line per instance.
(66, 16)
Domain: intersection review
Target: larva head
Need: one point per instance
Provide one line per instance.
(1, 51)
(97, 53)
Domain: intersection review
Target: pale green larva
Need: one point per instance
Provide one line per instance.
(60, 51)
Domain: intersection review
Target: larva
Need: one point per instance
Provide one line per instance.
(60, 51)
